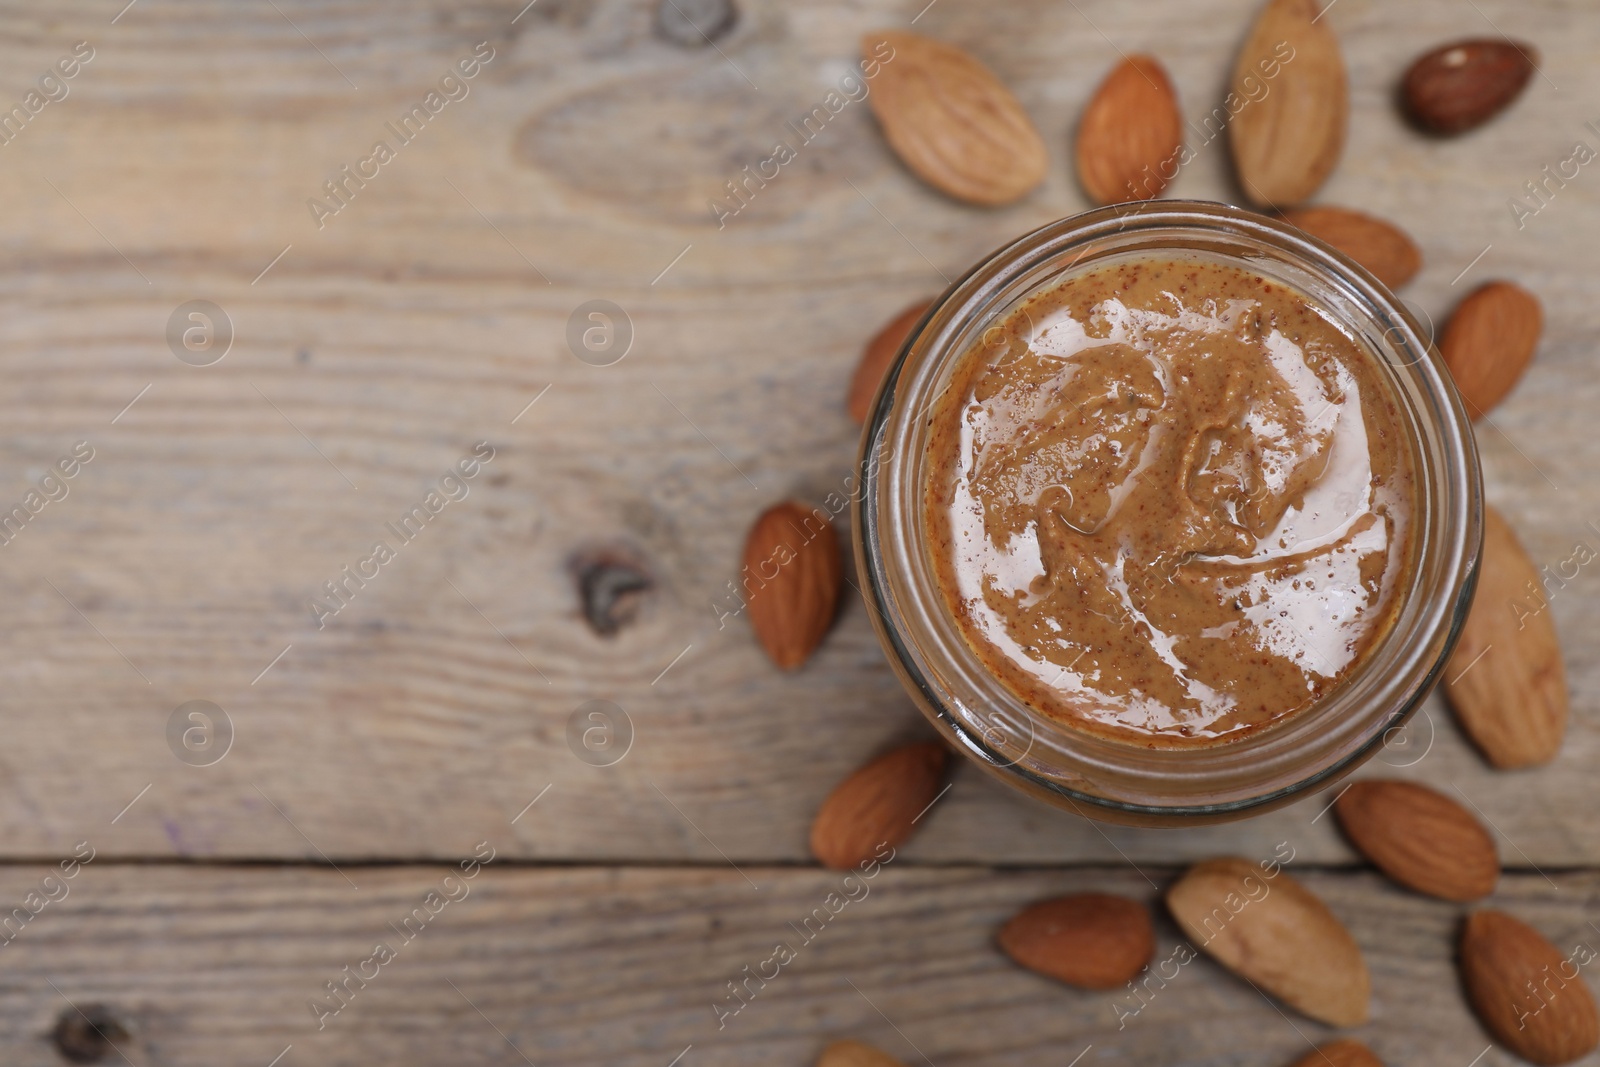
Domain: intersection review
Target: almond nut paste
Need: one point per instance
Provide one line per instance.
(1169, 501)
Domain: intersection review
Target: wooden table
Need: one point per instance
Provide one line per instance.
(373, 749)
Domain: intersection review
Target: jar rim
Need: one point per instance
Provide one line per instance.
(1111, 780)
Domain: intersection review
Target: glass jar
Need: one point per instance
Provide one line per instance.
(1103, 778)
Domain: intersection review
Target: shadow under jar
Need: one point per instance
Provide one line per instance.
(1169, 514)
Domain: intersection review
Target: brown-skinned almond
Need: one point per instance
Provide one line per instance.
(1089, 940)
(1505, 680)
(1130, 133)
(1276, 933)
(792, 573)
(1419, 837)
(1342, 1053)
(877, 356)
(1287, 139)
(1381, 247)
(1518, 984)
(951, 121)
(855, 1054)
(878, 805)
(1489, 341)
(1461, 85)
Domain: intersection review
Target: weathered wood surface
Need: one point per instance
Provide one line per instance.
(207, 965)
(430, 311)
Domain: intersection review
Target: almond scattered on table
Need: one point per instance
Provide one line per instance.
(1276, 933)
(1517, 983)
(877, 805)
(1341, 1053)
(1090, 940)
(1489, 341)
(791, 578)
(1381, 247)
(877, 356)
(1287, 141)
(952, 121)
(1461, 85)
(855, 1054)
(1129, 133)
(1505, 679)
(1419, 837)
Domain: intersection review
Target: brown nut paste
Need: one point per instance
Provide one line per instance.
(1169, 501)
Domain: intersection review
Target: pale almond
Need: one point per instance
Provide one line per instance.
(1419, 837)
(855, 1054)
(1130, 134)
(1342, 1053)
(952, 122)
(1505, 679)
(1381, 247)
(875, 359)
(1288, 137)
(791, 578)
(1528, 995)
(1089, 940)
(878, 805)
(1489, 341)
(1276, 933)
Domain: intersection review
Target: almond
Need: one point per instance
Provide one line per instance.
(1381, 247)
(1489, 341)
(1420, 838)
(951, 120)
(875, 360)
(791, 575)
(1090, 940)
(1130, 133)
(1505, 678)
(855, 1054)
(1531, 998)
(877, 805)
(1287, 140)
(1272, 931)
(1343, 1053)
(1464, 84)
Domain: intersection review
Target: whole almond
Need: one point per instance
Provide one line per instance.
(1489, 341)
(1130, 133)
(1421, 838)
(877, 805)
(1089, 940)
(791, 579)
(1505, 679)
(1341, 1053)
(1274, 932)
(1464, 84)
(855, 1054)
(1287, 139)
(951, 120)
(1531, 998)
(877, 356)
(1381, 247)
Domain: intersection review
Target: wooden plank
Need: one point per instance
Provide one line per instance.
(429, 312)
(205, 965)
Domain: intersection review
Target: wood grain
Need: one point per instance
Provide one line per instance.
(206, 965)
(429, 312)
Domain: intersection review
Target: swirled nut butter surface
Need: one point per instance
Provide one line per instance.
(1169, 502)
